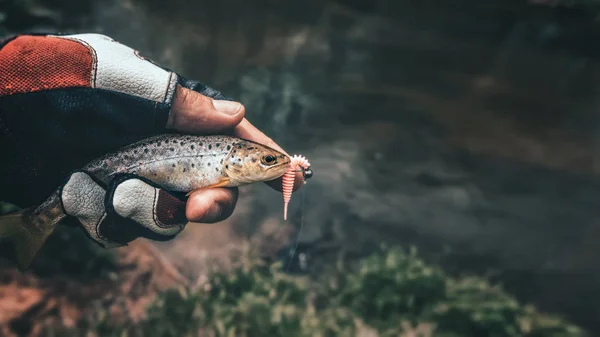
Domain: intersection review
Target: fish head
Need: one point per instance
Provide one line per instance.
(249, 162)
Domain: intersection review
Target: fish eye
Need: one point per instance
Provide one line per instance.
(268, 159)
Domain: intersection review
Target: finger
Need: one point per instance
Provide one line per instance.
(248, 131)
(211, 205)
(83, 198)
(193, 112)
(150, 211)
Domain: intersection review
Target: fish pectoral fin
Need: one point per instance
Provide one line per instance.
(27, 241)
(223, 182)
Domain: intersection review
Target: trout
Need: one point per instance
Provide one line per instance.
(178, 163)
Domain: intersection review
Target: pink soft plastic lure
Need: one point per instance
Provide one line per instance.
(297, 163)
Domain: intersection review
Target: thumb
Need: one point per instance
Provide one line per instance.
(193, 112)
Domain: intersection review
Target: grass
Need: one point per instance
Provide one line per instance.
(390, 293)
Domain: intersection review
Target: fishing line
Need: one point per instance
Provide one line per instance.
(297, 164)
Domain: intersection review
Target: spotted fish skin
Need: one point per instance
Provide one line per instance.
(178, 163)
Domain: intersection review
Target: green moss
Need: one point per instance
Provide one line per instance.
(390, 292)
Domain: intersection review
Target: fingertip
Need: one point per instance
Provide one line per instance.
(193, 112)
(229, 108)
(246, 130)
(211, 205)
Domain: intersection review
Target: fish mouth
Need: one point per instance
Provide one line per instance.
(278, 170)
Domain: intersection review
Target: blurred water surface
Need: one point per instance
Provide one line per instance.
(465, 125)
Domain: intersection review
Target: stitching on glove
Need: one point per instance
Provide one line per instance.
(98, 228)
(170, 92)
(154, 207)
(94, 58)
(121, 177)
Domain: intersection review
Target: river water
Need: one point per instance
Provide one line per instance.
(462, 127)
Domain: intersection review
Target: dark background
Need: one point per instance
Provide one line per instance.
(466, 127)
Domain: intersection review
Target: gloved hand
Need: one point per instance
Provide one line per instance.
(131, 207)
(66, 100)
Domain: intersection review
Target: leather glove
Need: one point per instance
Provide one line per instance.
(130, 207)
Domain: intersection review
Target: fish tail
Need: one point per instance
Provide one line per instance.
(28, 234)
